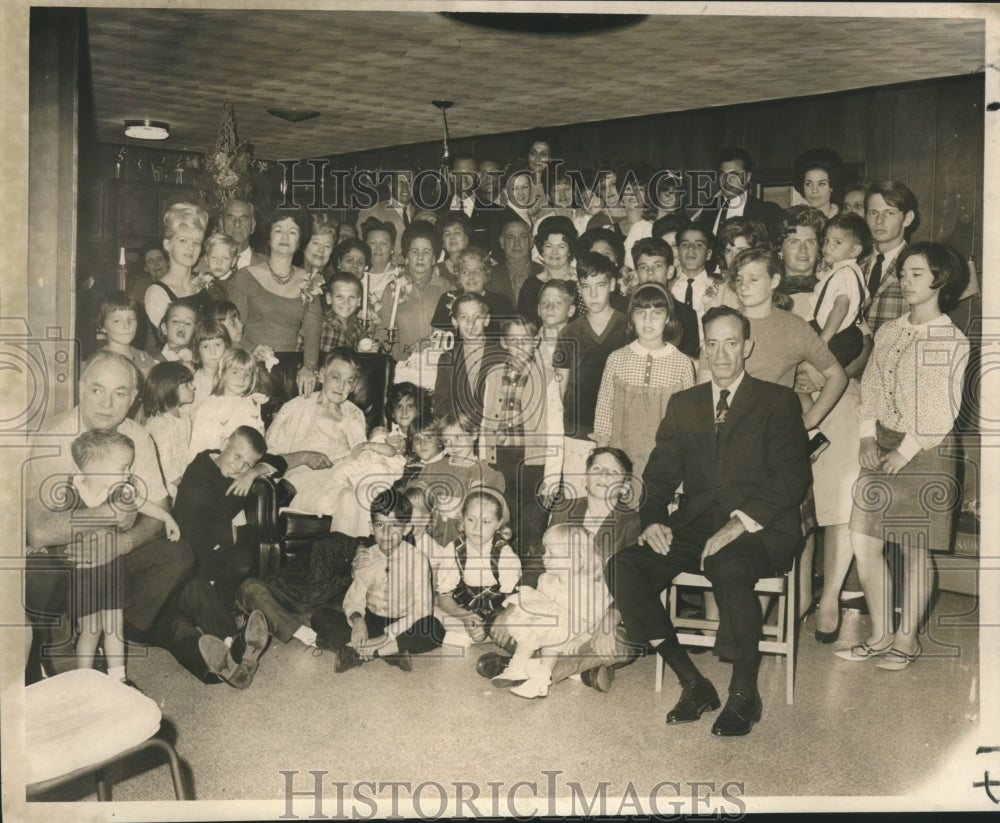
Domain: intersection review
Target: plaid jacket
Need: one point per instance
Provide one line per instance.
(887, 303)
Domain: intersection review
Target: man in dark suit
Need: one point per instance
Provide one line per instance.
(239, 221)
(734, 198)
(739, 447)
(463, 185)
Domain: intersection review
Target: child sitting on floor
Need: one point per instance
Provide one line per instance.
(389, 605)
(104, 458)
(211, 494)
(479, 568)
(559, 614)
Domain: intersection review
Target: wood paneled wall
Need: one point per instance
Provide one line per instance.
(929, 135)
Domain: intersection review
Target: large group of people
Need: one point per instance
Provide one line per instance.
(595, 396)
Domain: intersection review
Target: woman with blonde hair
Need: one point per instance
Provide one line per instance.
(184, 227)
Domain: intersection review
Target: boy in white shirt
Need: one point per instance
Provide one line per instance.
(390, 603)
(839, 294)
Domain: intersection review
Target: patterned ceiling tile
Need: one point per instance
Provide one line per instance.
(372, 75)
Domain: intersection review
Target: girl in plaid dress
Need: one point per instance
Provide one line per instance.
(639, 378)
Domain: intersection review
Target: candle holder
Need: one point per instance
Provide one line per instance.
(391, 338)
(367, 327)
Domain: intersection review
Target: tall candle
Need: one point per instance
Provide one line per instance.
(121, 269)
(395, 303)
(364, 298)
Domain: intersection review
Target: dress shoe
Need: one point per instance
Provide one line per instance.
(251, 641)
(598, 678)
(829, 637)
(739, 715)
(401, 660)
(896, 660)
(532, 688)
(491, 664)
(347, 659)
(220, 662)
(697, 696)
(863, 651)
(126, 682)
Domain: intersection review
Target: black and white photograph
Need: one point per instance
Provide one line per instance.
(449, 409)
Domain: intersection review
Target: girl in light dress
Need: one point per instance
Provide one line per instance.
(233, 403)
(167, 391)
(640, 378)
(559, 614)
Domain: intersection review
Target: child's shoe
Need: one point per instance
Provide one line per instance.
(515, 673)
(534, 687)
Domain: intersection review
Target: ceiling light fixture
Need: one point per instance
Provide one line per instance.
(147, 129)
(293, 115)
(444, 105)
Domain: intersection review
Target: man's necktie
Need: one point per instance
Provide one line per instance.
(689, 292)
(876, 275)
(406, 215)
(721, 409)
(723, 215)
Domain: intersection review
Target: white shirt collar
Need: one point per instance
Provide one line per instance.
(243, 258)
(642, 351)
(732, 388)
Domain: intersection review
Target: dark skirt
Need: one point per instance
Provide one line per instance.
(914, 507)
(98, 589)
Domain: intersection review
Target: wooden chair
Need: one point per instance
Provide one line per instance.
(778, 639)
(80, 722)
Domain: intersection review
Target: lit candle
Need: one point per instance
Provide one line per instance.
(121, 269)
(395, 304)
(364, 297)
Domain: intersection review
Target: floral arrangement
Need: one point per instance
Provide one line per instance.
(228, 166)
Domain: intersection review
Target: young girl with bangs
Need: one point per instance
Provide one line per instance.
(639, 378)
(233, 403)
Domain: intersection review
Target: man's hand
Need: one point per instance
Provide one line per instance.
(359, 632)
(893, 462)
(722, 538)
(105, 547)
(658, 537)
(868, 454)
(366, 649)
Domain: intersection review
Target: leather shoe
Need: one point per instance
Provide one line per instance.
(598, 678)
(220, 662)
(829, 637)
(697, 697)
(347, 659)
(251, 641)
(739, 715)
(491, 664)
(401, 660)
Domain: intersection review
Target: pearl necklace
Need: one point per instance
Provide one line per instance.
(281, 281)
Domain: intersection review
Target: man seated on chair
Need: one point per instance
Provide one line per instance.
(739, 447)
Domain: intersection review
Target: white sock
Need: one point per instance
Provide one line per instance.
(116, 672)
(306, 635)
(847, 595)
